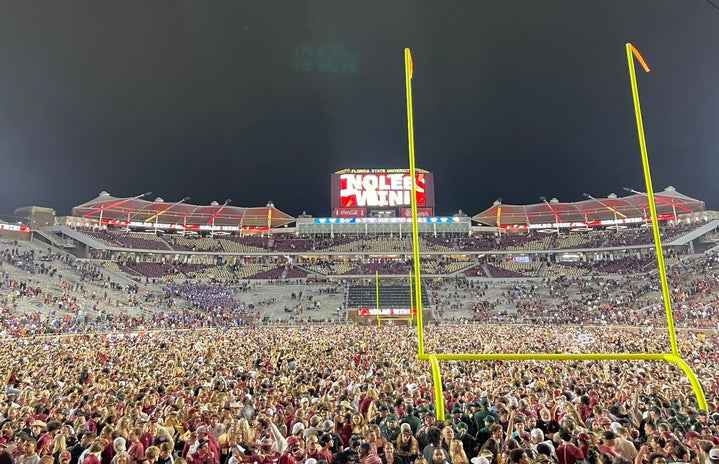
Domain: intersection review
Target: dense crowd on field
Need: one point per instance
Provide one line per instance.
(337, 394)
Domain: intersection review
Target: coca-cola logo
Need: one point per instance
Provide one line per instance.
(349, 212)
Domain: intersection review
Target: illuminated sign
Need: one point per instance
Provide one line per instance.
(14, 228)
(387, 312)
(572, 225)
(393, 220)
(179, 227)
(349, 212)
(421, 212)
(380, 190)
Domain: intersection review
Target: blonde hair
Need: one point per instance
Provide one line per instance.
(361, 428)
(246, 432)
(59, 443)
(152, 452)
(456, 452)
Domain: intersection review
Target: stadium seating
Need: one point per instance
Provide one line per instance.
(181, 243)
(244, 244)
(390, 296)
(292, 245)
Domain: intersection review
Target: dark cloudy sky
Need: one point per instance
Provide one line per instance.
(262, 100)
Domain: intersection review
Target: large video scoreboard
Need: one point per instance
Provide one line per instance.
(381, 193)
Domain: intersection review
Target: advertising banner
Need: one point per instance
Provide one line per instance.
(421, 212)
(387, 312)
(349, 212)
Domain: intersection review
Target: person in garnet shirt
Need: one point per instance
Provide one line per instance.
(607, 444)
(567, 452)
(137, 449)
(326, 441)
(203, 455)
(93, 455)
(265, 455)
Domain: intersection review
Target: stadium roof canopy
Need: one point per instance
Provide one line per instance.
(669, 202)
(108, 208)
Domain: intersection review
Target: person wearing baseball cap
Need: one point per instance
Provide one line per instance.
(203, 433)
(468, 441)
(406, 447)
(484, 433)
(295, 453)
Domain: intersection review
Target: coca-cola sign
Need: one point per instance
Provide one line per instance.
(349, 212)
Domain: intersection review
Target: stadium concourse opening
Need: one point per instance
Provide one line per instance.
(653, 216)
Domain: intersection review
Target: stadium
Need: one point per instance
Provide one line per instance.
(191, 321)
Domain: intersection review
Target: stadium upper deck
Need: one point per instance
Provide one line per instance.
(160, 239)
(139, 214)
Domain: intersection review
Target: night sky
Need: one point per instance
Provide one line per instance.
(263, 100)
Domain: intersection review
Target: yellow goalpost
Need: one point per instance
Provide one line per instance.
(673, 356)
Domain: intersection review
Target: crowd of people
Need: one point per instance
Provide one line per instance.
(72, 295)
(187, 378)
(349, 393)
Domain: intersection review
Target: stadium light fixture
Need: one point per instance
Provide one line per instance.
(557, 219)
(498, 204)
(631, 190)
(660, 200)
(217, 213)
(610, 208)
(270, 205)
(121, 202)
(156, 217)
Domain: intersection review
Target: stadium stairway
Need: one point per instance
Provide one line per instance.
(694, 234)
(486, 271)
(542, 270)
(42, 237)
(75, 235)
(118, 276)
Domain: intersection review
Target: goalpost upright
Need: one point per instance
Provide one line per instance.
(673, 356)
